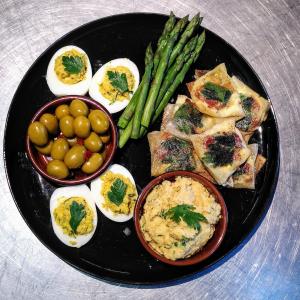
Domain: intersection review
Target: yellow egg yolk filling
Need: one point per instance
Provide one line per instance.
(62, 216)
(127, 205)
(63, 75)
(111, 93)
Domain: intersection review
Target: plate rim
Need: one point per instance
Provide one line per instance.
(187, 277)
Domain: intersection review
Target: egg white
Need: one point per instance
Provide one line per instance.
(98, 78)
(73, 191)
(59, 88)
(96, 187)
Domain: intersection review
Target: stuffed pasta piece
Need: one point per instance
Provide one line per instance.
(244, 177)
(170, 153)
(255, 108)
(215, 95)
(183, 118)
(222, 150)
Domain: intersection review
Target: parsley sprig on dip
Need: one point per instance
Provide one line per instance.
(185, 213)
(179, 217)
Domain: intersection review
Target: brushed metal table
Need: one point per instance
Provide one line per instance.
(267, 33)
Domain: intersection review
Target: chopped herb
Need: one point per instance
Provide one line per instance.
(118, 81)
(176, 244)
(241, 170)
(73, 64)
(245, 123)
(216, 92)
(117, 191)
(184, 126)
(77, 214)
(220, 151)
(187, 117)
(179, 154)
(247, 103)
(185, 213)
(184, 240)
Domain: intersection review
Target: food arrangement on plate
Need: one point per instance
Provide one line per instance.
(204, 139)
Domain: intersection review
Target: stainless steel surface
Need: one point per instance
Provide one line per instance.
(267, 33)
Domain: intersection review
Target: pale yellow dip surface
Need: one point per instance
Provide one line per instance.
(65, 76)
(172, 240)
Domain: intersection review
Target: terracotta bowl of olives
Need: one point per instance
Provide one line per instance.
(71, 140)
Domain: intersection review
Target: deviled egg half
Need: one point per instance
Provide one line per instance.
(69, 72)
(114, 84)
(73, 215)
(115, 193)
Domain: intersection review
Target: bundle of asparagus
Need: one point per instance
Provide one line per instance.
(165, 70)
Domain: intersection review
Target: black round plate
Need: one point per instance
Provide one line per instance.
(112, 255)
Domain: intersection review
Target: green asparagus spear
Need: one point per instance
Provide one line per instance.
(184, 37)
(130, 108)
(143, 130)
(176, 67)
(167, 29)
(124, 135)
(143, 95)
(156, 83)
(180, 77)
(163, 41)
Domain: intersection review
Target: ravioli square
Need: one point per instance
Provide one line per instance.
(255, 107)
(222, 150)
(244, 177)
(183, 118)
(170, 153)
(215, 95)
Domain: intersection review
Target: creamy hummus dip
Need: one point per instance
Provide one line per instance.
(179, 217)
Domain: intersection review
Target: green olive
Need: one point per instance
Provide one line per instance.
(57, 169)
(93, 142)
(59, 149)
(45, 149)
(105, 138)
(50, 123)
(66, 126)
(99, 121)
(62, 111)
(73, 141)
(78, 108)
(82, 126)
(74, 158)
(93, 163)
(38, 134)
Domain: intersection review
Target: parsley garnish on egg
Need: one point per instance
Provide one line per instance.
(77, 212)
(117, 191)
(118, 81)
(73, 64)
